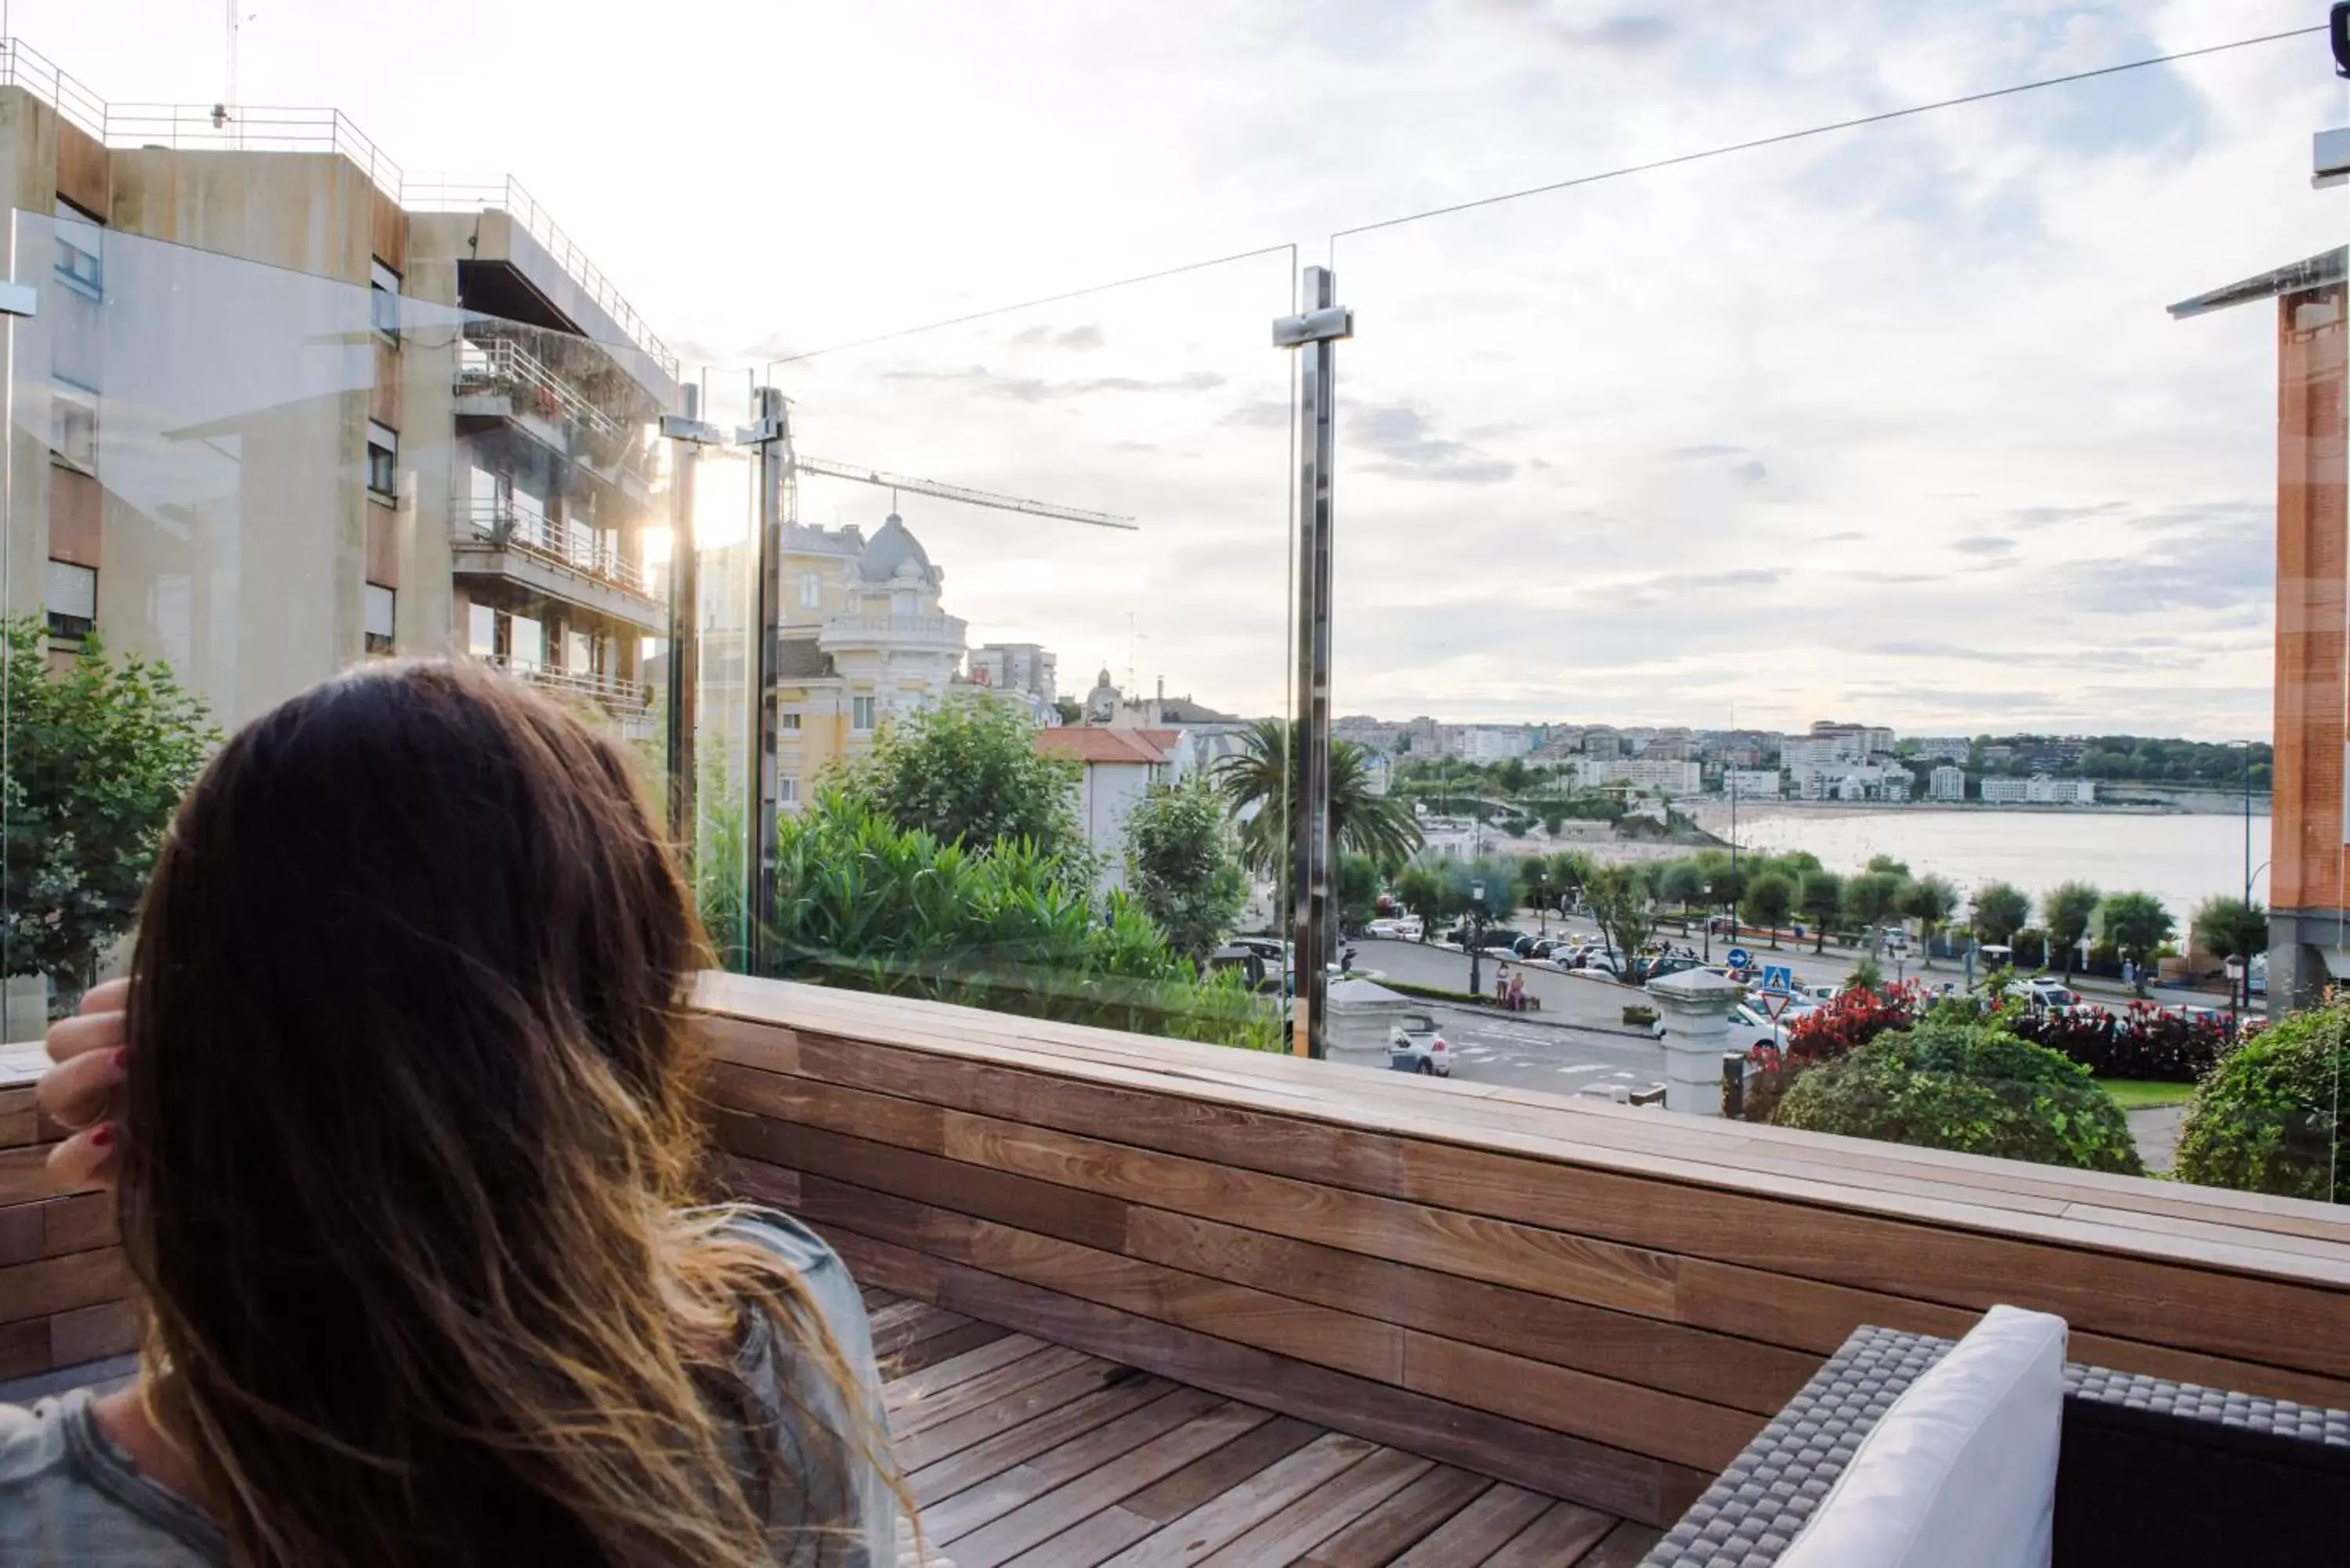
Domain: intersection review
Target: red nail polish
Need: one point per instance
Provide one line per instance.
(122, 1056)
(102, 1137)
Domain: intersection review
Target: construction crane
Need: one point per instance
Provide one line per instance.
(780, 467)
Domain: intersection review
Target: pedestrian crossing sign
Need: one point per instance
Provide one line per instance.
(1778, 977)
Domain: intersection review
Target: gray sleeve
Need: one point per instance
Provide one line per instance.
(842, 1309)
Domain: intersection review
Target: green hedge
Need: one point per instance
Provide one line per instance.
(1969, 1089)
(2270, 1116)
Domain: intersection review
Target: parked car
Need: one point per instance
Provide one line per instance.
(1503, 937)
(1415, 1035)
(2043, 994)
(1603, 959)
(1396, 927)
(1647, 969)
(1751, 1026)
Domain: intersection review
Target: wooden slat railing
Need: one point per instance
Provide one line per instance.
(62, 1283)
(1600, 1302)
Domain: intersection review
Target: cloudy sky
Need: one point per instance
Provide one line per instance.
(1887, 425)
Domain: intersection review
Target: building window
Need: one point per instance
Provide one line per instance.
(787, 790)
(71, 599)
(383, 299)
(383, 458)
(860, 712)
(381, 602)
(73, 425)
(811, 591)
(481, 631)
(791, 721)
(78, 253)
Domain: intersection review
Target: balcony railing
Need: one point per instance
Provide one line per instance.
(503, 368)
(505, 526)
(445, 195)
(627, 697)
(944, 630)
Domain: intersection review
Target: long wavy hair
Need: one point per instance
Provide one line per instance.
(411, 1131)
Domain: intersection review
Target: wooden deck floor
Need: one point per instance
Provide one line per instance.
(1023, 1453)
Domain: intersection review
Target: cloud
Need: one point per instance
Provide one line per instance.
(1841, 536)
(1701, 582)
(1079, 339)
(2042, 516)
(1621, 32)
(1401, 437)
(1265, 414)
(979, 379)
(1983, 545)
(1702, 451)
(1748, 473)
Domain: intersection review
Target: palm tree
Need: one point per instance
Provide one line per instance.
(1259, 775)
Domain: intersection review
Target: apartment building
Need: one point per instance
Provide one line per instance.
(1751, 783)
(1947, 783)
(1649, 774)
(1026, 671)
(2039, 790)
(282, 406)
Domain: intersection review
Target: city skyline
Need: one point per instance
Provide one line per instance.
(1890, 418)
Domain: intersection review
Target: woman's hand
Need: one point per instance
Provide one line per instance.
(78, 1093)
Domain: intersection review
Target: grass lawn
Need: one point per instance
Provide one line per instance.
(2144, 1094)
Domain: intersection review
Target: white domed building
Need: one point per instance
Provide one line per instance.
(863, 640)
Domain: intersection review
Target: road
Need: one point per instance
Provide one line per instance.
(1531, 1051)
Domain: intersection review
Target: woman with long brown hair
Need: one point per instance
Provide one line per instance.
(398, 1108)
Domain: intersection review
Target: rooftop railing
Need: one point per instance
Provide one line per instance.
(442, 193)
(251, 127)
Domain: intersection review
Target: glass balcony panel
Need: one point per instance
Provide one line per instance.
(1847, 568)
(224, 484)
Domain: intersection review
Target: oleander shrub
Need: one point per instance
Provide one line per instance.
(1968, 1087)
(2269, 1118)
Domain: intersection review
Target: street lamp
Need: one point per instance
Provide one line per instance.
(1475, 925)
(1542, 904)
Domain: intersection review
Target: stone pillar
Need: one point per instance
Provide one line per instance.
(1694, 1007)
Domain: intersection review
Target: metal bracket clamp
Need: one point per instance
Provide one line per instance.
(684, 427)
(769, 427)
(1324, 326)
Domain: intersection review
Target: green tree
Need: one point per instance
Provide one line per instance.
(1571, 871)
(1870, 899)
(1680, 884)
(968, 772)
(1967, 1087)
(865, 905)
(2136, 924)
(1768, 898)
(2229, 927)
(2271, 1117)
(2066, 911)
(1888, 865)
(1866, 975)
(1184, 866)
(1355, 889)
(1621, 902)
(1822, 898)
(1931, 901)
(1422, 891)
(98, 753)
(2000, 911)
(1260, 776)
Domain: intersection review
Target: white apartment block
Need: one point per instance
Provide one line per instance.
(2039, 790)
(1952, 748)
(1947, 783)
(1858, 782)
(1491, 742)
(1811, 757)
(1654, 775)
(1751, 783)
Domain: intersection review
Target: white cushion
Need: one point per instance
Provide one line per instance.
(1962, 1472)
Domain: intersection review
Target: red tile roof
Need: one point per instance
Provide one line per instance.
(1090, 744)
